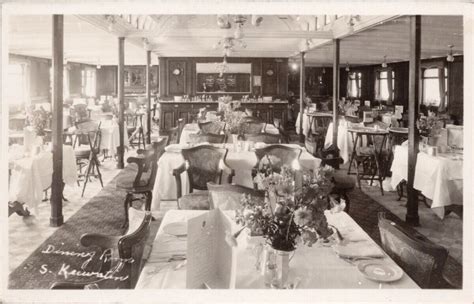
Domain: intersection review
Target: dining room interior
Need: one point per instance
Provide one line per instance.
(235, 151)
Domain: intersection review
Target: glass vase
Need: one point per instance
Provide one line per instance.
(277, 267)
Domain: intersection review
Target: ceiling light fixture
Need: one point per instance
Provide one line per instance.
(111, 22)
(450, 57)
(257, 20)
(384, 63)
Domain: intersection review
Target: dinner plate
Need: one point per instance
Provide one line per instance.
(380, 271)
(176, 229)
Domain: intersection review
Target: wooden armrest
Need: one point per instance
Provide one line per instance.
(100, 240)
(139, 160)
(177, 175)
(75, 285)
(230, 172)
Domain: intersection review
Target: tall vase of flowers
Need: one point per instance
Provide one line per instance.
(292, 213)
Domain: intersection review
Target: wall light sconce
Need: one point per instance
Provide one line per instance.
(450, 57)
(347, 67)
(384, 63)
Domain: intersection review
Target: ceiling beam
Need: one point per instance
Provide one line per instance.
(207, 33)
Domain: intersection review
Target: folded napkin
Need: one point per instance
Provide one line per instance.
(361, 249)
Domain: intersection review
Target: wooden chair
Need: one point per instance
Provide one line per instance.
(228, 196)
(419, 257)
(207, 137)
(172, 135)
(87, 148)
(181, 124)
(211, 127)
(267, 138)
(253, 127)
(136, 135)
(369, 160)
(146, 166)
(285, 137)
(203, 164)
(124, 255)
(279, 156)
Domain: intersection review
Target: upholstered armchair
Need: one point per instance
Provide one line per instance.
(267, 138)
(278, 155)
(419, 257)
(207, 137)
(122, 255)
(211, 127)
(228, 196)
(203, 164)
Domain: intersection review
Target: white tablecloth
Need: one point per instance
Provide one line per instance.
(439, 178)
(193, 128)
(111, 137)
(306, 123)
(241, 162)
(317, 266)
(31, 175)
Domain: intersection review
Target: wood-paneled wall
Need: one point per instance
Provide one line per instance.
(107, 80)
(275, 85)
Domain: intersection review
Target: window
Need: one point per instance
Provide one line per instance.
(17, 90)
(88, 82)
(435, 83)
(354, 83)
(384, 85)
(65, 81)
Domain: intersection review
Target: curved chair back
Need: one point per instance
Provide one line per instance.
(172, 134)
(279, 155)
(207, 137)
(267, 138)
(150, 165)
(228, 196)
(180, 125)
(420, 258)
(204, 165)
(211, 127)
(88, 133)
(253, 127)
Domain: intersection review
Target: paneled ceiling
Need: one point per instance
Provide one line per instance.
(93, 38)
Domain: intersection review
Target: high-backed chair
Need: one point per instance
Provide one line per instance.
(267, 138)
(207, 137)
(253, 127)
(203, 164)
(278, 155)
(172, 135)
(145, 167)
(86, 149)
(211, 127)
(123, 254)
(228, 196)
(181, 123)
(285, 137)
(419, 257)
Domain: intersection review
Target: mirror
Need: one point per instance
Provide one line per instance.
(236, 79)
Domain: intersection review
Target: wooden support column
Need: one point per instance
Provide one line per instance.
(148, 96)
(121, 99)
(57, 218)
(413, 105)
(302, 82)
(335, 89)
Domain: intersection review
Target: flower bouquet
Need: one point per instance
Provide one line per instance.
(293, 209)
(233, 120)
(39, 120)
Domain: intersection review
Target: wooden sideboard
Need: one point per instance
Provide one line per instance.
(171, 111)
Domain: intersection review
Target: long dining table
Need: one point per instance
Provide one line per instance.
(241, 161)
(315, 267)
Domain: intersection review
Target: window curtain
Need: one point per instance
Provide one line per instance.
(349, 85)
(377, 85)
(442, 90)
(358, 78)
(390, 87)
(27, 85)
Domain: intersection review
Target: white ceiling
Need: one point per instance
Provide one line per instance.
(89, 39)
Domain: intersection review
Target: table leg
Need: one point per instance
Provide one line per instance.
(354, 144)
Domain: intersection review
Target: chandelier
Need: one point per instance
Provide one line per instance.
(222, 67)
(225, 22)
(227, 44)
